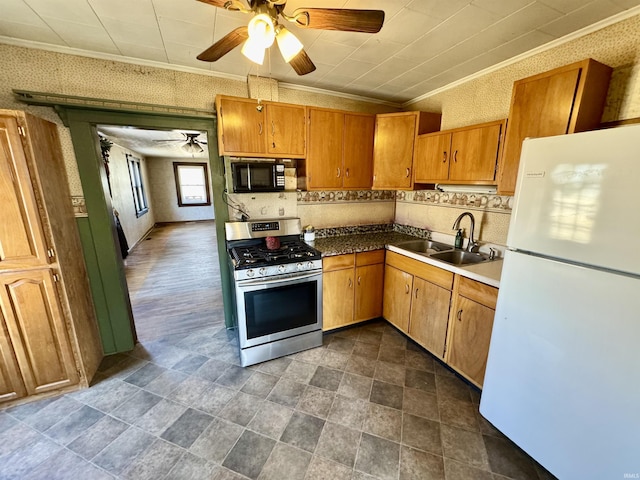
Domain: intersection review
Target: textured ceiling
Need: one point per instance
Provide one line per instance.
(424, 44)
(154, 143)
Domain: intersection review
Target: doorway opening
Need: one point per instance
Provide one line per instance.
(159, 186)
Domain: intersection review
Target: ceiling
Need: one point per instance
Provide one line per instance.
(424, 44)
(154, 143)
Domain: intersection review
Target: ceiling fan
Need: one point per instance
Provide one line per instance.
(265, 27)
(192, 145)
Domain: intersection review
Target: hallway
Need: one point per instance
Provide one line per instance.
(174, 280)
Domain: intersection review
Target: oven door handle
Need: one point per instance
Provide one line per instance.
(292, 279)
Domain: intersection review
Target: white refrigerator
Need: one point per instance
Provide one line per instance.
(563, 373)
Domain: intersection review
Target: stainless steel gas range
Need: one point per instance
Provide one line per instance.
(277, 286)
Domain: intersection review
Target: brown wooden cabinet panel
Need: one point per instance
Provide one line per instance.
(470, 336)
(11, 383)
(396, 304)
(337, 298)
(393, 150)
(475, 154)
(369, 287)
(242, 128)
(358, 150)
(568, 99)
(286, 125)
(432, 158)
(22, 243)
(429, 315)
(324, 155)
(37, 330)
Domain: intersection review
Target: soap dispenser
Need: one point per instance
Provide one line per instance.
(459, 239)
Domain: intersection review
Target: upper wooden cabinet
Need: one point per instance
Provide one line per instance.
(467, 155)
(340, 153)
(568, 99)
(247, 127)
(393, 151)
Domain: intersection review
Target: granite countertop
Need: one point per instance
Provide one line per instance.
(488, 272)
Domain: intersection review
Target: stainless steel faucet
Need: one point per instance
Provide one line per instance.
(472, 246)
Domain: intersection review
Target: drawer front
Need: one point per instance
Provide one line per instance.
(428, 272)
(369, 258)
(338, 262)
(479, 292)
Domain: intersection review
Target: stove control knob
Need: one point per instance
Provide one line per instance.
(250, 273)
(300, 266)
(262, 271)
(309, 265)
(281, 268)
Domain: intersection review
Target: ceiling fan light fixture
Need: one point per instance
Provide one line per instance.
(254, 51)
(262, 30)
(288, 44)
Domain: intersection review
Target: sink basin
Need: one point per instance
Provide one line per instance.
(424, 246)
(460, 257)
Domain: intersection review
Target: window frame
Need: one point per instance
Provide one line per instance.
(176, 176)
(140, 202)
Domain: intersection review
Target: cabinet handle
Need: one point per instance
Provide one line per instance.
(416, 293)
(455, 156)
(350, 283)
(260, 129)
(408, 172)
(359, 278)
(406, 288)
(338, 172)
(346, 172)
(444, 157)
(459, 315)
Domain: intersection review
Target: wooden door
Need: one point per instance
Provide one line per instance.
(474, 154)
(396, 302)
(431, 163)
(470, 337)
(11, 383)
(243, 127)
(429, 315)
(393, 150)
(358, 150)
(369, 291)
(337, 298)
(22, 243)
(286, 127)
(540, 107)
(37, 330)
(324, 155)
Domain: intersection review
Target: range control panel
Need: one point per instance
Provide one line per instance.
(264, 226)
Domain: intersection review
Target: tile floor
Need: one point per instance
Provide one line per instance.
(369, 404)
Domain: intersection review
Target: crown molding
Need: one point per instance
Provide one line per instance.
(350, 96)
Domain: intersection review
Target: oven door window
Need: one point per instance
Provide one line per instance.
(273, 310)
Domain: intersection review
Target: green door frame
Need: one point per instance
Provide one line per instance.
(97, 231)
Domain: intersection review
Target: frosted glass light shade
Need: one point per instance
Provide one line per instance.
(261, 30)
(288, 44)
(254, 51)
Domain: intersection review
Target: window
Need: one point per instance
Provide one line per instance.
(137, 186)
(192, 184)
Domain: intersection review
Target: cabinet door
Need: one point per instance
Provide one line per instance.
(470, 337)
(37, 330)
(432, 158)
(337, 298)
(243, 128)
(358, 150)
(369, 288)
(22, 241)
(324, 155)
(539, 108)
(11, 384)
(393, 150)
(429, 315)
(286, 130)
(474, 154)
(397, 297)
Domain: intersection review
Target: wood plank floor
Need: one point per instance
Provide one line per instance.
(174, 280)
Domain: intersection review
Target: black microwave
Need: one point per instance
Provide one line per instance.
(257, 177)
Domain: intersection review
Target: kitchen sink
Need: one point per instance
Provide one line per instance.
(424, 246)
(460, 257)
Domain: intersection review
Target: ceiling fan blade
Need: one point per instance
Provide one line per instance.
(348, 20)
(302, 64)
(224, 45)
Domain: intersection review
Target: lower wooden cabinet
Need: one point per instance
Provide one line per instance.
(449, 315)
(33, 329)
(470, 328)
(352, 288)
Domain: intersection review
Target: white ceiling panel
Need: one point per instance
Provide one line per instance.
(423, 45)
